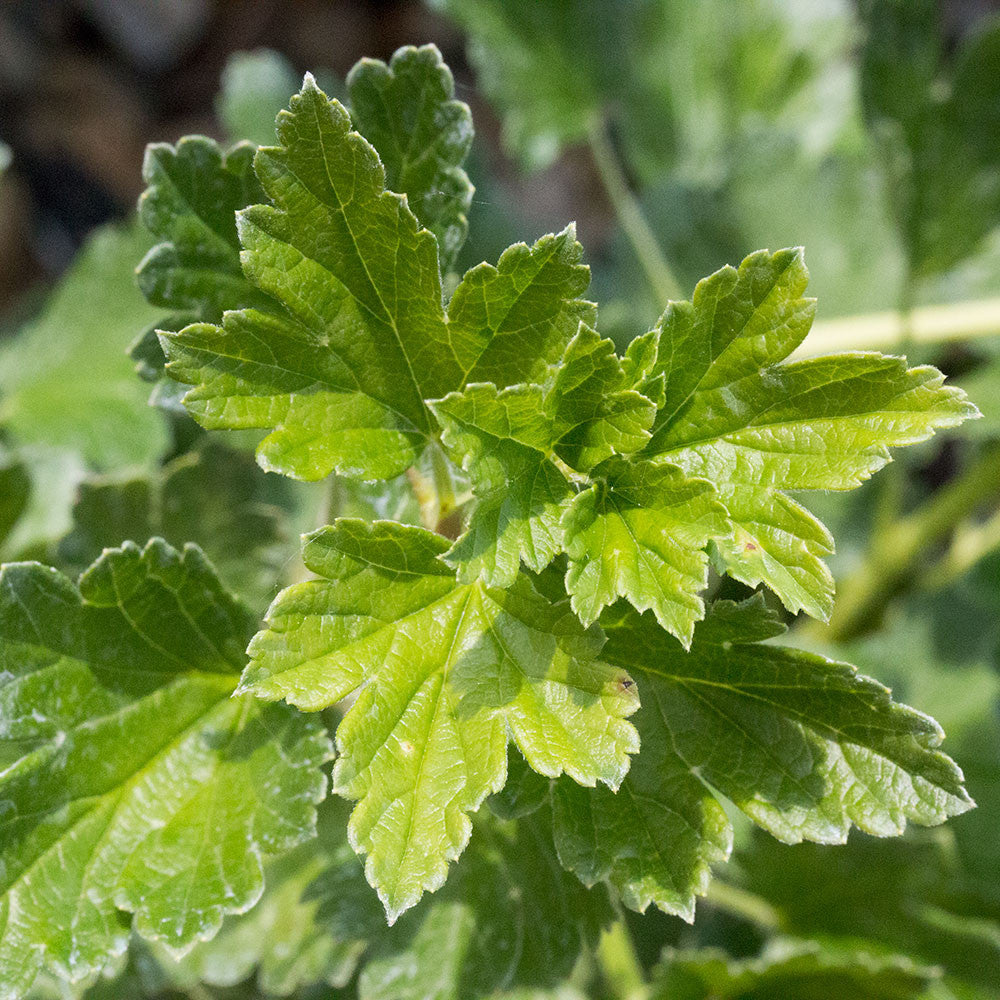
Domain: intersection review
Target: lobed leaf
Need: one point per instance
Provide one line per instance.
(407, 111)
(132, 781)
(803, 745)
(518, 443)
(445, 674)
(640, 533)
(737, 414)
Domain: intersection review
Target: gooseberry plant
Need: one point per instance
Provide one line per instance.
(533, 696)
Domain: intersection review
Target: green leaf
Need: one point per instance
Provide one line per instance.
(640, 532)
(341, 375)
(255, 87)
(754, 425)
(510, 918)
(407, 111)
(517, 443)
(193, 192)
(75, 350)
(930, 106)
(803, 745)
(288, 941)
(527, 308)
(931, 894)
(215, 497)
(446, 673)
(132, 780)
(792, 970)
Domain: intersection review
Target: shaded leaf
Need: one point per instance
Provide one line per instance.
(132, 781)
(407, 111)
(804, 746)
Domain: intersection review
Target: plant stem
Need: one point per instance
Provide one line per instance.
(888, 330)
(661, 277)
(746, 905)
(619, 963)
(972, 542)
(897, 549)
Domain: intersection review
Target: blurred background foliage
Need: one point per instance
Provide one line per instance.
(680, 136)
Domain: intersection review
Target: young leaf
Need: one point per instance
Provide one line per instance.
(527, 308)
(342, 373)
(792, 970)
(193, 192)
(803, 745)
(755, 426)
(516, 443)
(446, 674)
(215, 497)
(407, 111)
(132, 779)
(640, 532)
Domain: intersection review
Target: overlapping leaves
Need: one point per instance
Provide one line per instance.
(132, 781)
(631, 466)
(736, 413)
(804, 746)
(446, 674)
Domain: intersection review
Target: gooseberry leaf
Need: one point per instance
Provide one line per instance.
(340, 371)
(445, 674)
(407, 111)
(521, 445)
(755, 425)
(132, 781)
(194, 190)
(804, 746)
(640, 532)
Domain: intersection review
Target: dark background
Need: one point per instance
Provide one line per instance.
(85, 84)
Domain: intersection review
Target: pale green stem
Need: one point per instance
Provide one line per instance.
(889, 330)
(426, 496)
(620, 967)
(746, 905)
(661, 277)
(972, 541)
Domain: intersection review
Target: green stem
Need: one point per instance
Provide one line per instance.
(661, 277)
(746, 905)
(620, 967)
(888, 330)
(897, 550)
(972, 542)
